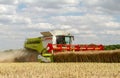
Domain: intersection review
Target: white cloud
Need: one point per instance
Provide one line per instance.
(51, 3)
(111, 32)
(112, 24)
(90, 27)
(5, 19)
(20, 20)
(41, 26)
(65, 27)
(89, 21)
(7, 9)
(14, 20)
(85, 21)
(74, 31)
(52, 7)
(103, 6)
(2, 9)
(9, 2)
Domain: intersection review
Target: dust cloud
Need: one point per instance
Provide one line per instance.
(20, 55)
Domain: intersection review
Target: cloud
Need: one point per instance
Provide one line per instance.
(14, 20)
(90, 21)
(50, 8)
(95, 21)
(103, 6)
(9, 2)
(51, 3)
(7, 9)
(111, 32)
(65, 26)
(112, 24)
(90, 27)
(41, 26)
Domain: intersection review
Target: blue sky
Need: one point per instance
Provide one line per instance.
(90, 21)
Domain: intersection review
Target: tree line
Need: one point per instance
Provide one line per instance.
(112, 47)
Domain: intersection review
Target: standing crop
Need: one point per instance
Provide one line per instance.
(59, 70)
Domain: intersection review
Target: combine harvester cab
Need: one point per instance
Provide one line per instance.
(55, 42)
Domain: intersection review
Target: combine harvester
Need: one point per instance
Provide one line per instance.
(56, 42)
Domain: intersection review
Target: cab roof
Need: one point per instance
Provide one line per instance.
(56, 33)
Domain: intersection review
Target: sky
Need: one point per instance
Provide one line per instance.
(90, 21)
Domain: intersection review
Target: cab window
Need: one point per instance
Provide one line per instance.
(63, 39)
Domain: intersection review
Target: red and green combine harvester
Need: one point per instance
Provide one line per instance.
(57, 41)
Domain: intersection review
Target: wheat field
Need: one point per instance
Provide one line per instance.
(59, 70)
(108, 56)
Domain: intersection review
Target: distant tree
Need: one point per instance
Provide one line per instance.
(112, 47)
